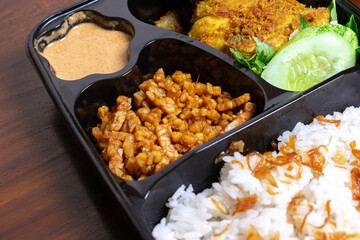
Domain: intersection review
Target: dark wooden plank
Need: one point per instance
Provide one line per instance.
(356, 2)
(47, 191)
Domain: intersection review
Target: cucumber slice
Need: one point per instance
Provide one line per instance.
(313, 55)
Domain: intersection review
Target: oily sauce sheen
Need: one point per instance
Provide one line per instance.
(88, 49)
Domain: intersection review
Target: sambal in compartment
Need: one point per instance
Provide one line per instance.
(85, 44)
(167, 117)
(88, 49)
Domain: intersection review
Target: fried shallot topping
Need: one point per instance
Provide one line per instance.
(254, 235)
(355, 174)
(323, 119)
(225, 229)
(220, 205)
(292, 213)
(245, 203)
(260, 165)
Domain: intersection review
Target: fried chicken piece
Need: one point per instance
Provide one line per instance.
(225, 24)
(212, 22)
(212, 30)
(221, 8)
(316, 16)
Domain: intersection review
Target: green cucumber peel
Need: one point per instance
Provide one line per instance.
(341, 30)
(311, 56)
(333, 13)
(353, 26)
(265, 51)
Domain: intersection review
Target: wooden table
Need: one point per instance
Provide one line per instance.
(46, 189)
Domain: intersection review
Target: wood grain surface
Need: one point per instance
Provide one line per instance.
(46, 189)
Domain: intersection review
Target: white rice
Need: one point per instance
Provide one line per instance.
(196, 216)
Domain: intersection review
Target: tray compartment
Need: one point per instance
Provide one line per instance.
(200, 169)
(150, 11)
(151, 14)
(78, 18)
(151, 58)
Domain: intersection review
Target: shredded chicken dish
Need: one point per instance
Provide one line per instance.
(225, 24)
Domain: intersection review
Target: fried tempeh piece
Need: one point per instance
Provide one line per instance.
(173, 116)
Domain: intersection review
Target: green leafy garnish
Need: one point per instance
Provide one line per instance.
(352, 25)
(266, 51)
(332, 9)
(357, 50)
(303, 22)
(263, 54)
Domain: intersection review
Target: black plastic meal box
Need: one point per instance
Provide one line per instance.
(151, 48)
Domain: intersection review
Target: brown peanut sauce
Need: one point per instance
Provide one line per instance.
(88, 49)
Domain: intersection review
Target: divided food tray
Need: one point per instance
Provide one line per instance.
(152, 48)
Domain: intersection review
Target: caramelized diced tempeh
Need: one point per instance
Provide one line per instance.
(172, 115)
